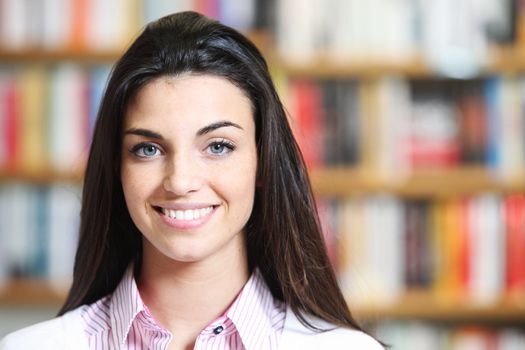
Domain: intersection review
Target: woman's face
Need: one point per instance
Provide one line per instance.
(188, 167)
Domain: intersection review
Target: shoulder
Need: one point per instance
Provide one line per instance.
(57, 333)
(296, 335)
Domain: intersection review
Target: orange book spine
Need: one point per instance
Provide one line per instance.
(514, 208)
(79, 24)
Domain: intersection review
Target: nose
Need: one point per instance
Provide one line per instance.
(182, 176)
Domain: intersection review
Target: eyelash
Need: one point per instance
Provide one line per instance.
(227, 144)
(139, 148)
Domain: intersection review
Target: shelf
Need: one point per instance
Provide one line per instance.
(52, 56)
(502, 60)
(343, 182)
(325, 68)
(28, 292)
(40, 177)
(418, 305)
(47, 55)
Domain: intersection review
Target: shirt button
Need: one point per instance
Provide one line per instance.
(218, 330)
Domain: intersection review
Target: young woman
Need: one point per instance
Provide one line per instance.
(198, 225)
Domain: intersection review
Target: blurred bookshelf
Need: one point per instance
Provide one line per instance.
(389, 127)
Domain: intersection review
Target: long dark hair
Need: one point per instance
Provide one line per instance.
(283, 233)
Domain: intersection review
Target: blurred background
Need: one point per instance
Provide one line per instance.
(410, 115)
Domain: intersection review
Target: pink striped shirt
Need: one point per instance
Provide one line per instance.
(255, 320)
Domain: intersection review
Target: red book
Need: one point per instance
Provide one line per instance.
(514, 209)
(308, 128)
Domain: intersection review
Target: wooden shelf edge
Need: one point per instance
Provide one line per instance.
(56, 55)
(32, 292)
(500, 60)
(344, 181)
(423, 305)
(45, 176)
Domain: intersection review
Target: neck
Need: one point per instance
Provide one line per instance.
(185, 297)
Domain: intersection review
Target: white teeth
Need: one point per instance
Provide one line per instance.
(191, 214)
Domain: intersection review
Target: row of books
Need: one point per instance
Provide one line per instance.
(394, 125)
(39, 230)
(100, 24)
(453, 36)
(458, 249)
(47, 115)
(419, 335)
(67, 24)
(243, 15)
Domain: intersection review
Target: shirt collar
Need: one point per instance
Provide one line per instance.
(251, 312)
(126, 304)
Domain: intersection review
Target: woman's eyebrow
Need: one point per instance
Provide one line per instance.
(217, 125)
(144, 132)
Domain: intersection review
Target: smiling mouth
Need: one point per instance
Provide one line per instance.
(186, 215)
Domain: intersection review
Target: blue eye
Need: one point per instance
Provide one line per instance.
(145, 150)
(220, 148)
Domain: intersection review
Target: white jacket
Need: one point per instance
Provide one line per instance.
(67, 332)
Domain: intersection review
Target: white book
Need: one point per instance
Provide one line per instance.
(68, 117)
(110, 24)
(384, 249)
(347, 31)
(300, 30)
(487, 243)
(237, 14)
(394, 108)
(14, 24)
(64, 220)
(423, 336)
(352, 264)
(453, 36)
(154, 9)
(16, 227)
(4, 231)
(396, 38)
(511, 151)
(56, 23)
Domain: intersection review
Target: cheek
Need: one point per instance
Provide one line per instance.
(241, 185)
(136, 187)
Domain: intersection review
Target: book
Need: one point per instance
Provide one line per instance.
(473, 125)
(487, 249)
(434, 127)
(32, 140)
(68, 122)
(305, 99)
(63, 226)
(14, 24)
(514, 211)
(419, 256)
